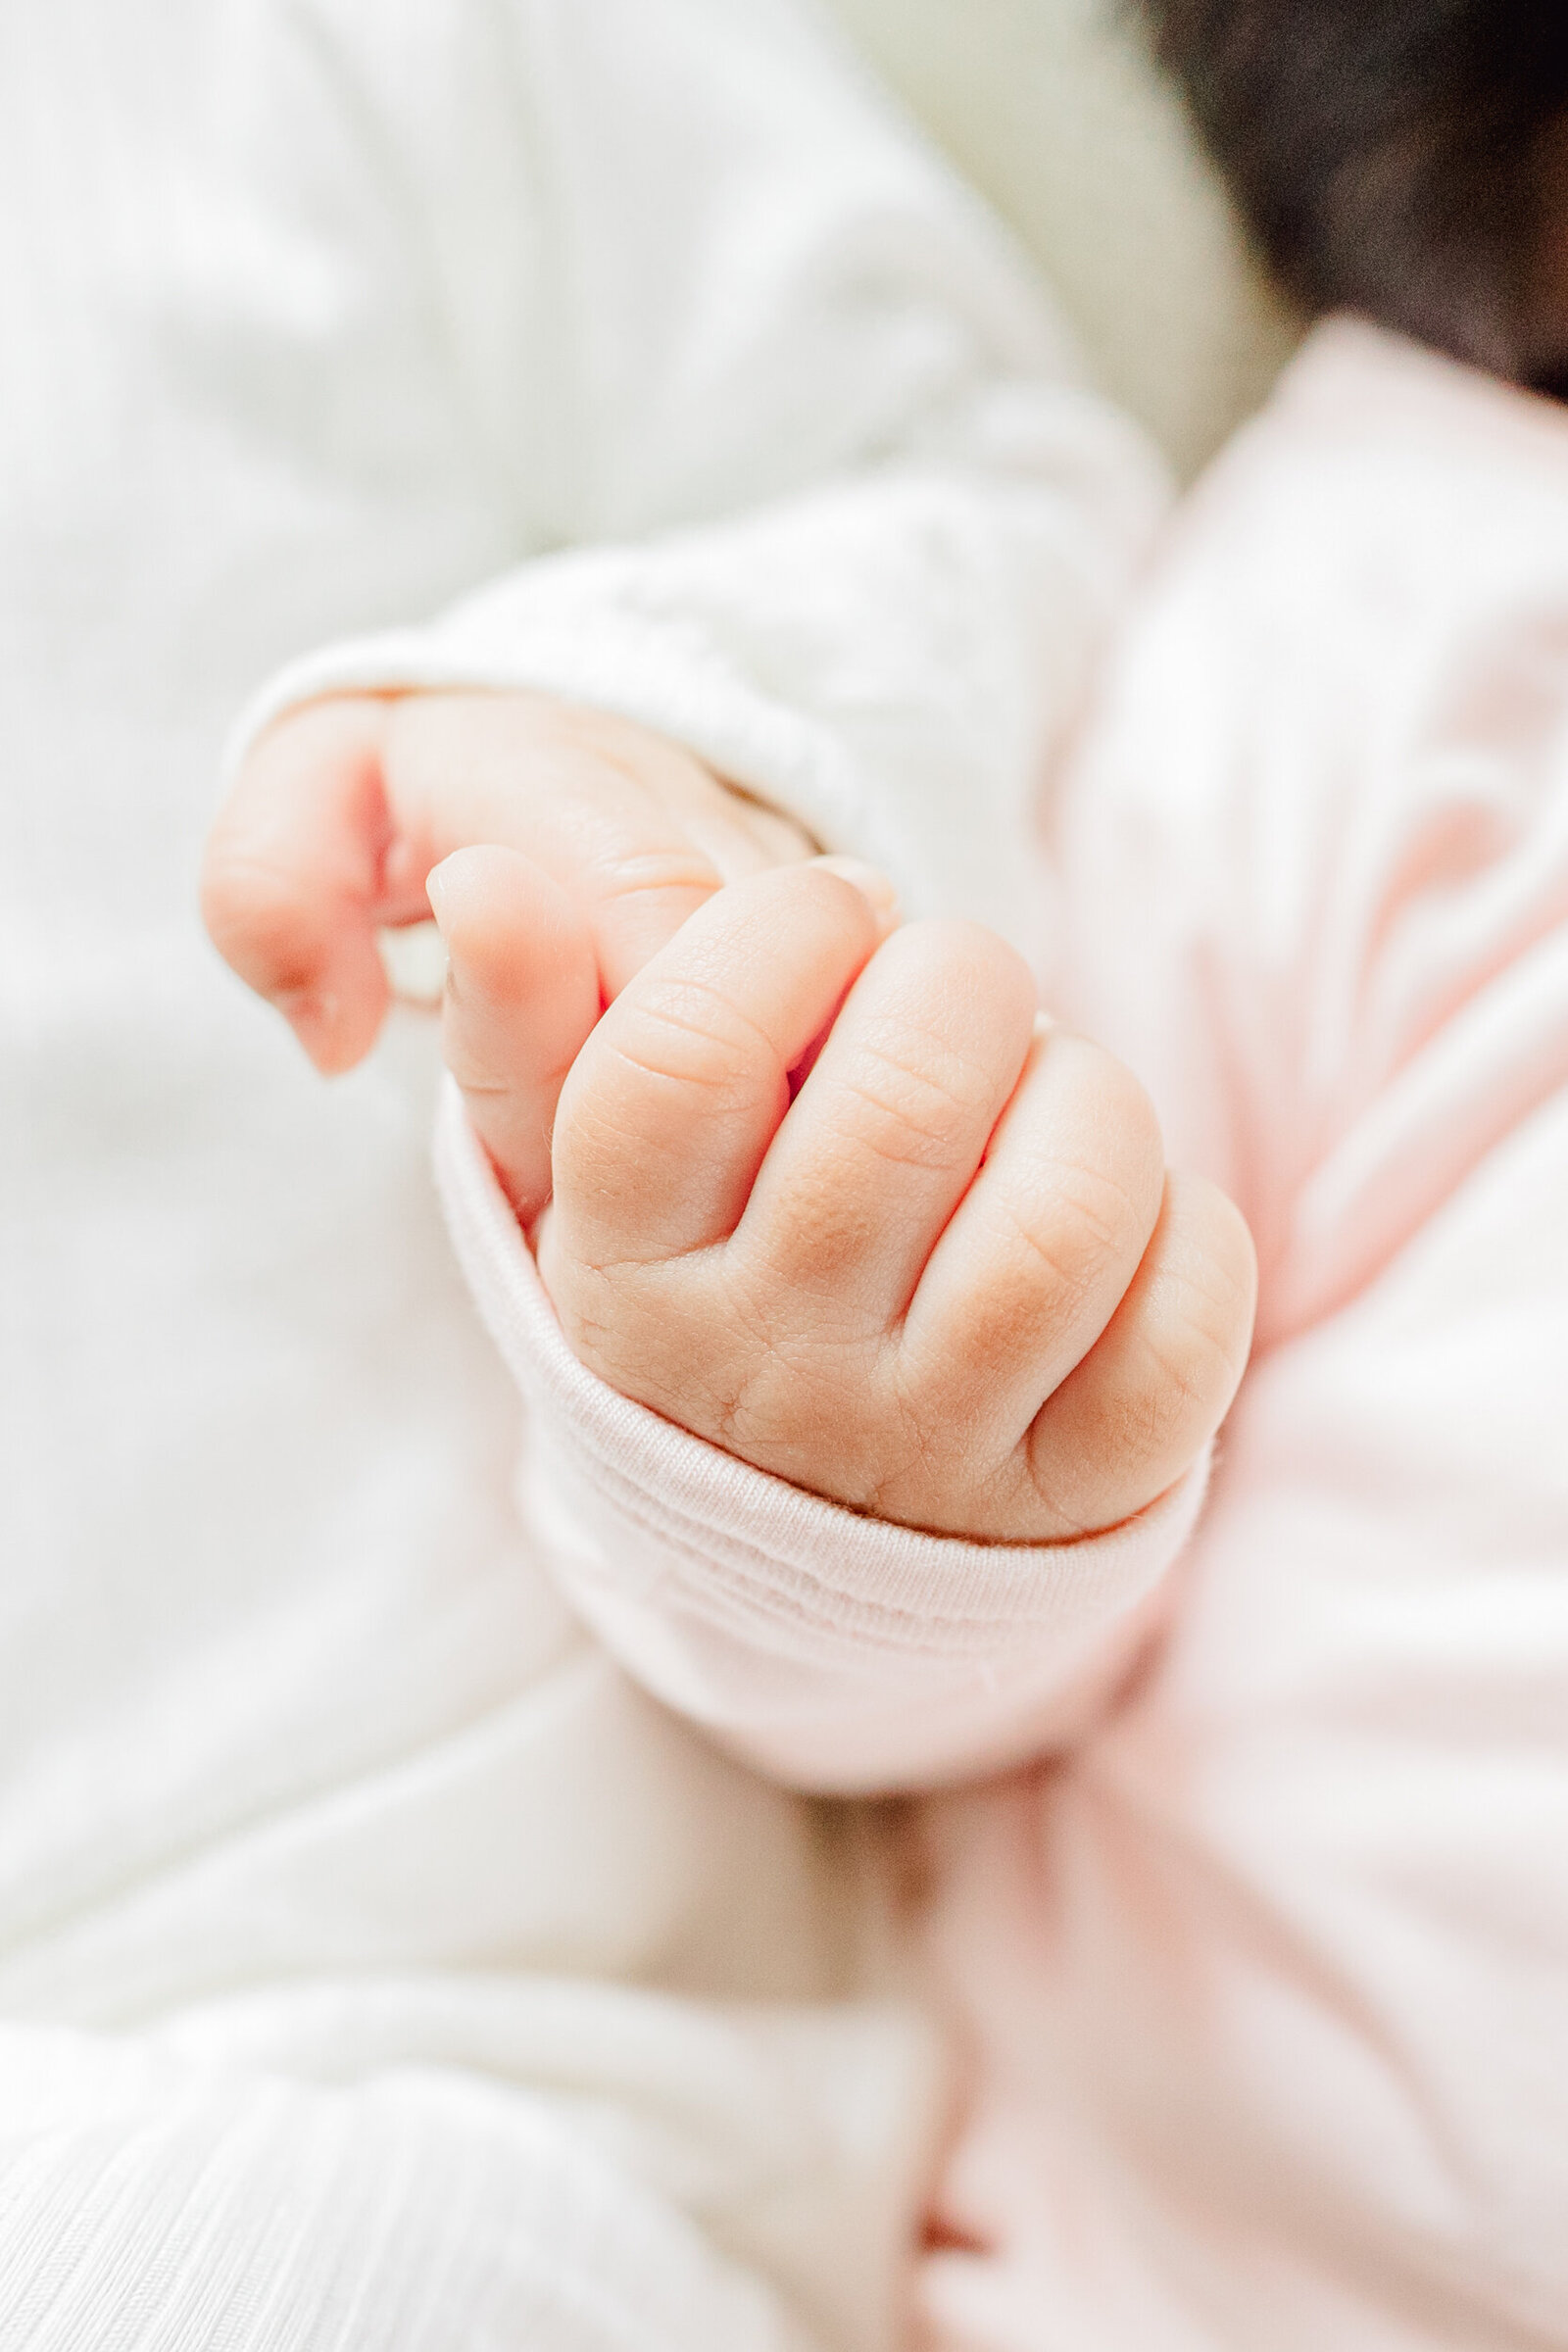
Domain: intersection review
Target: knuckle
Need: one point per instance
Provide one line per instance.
(911, 1102)
(1085, 1225)
(1108, 1209)
(1182, 1392)
(688, 1035)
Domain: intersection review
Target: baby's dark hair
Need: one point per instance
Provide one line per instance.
(1406, 159)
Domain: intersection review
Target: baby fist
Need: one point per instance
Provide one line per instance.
(839, 1202)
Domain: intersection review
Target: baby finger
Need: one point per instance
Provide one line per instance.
(522, 996)
(1033, 1265)
(1159, 1380)
(667, 1114)
(293, 886)
(889, 1128)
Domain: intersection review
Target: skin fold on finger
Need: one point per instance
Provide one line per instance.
(1157, 1385)
(666, 1115)
(521, 998)
(292, 887)
(888, 1131)
(1036, 1259)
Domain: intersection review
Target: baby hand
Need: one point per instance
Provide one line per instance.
(943, 1276)
(343, 806)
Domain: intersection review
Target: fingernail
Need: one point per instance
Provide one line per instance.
(870, 881)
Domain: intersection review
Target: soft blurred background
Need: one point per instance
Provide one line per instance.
(1056, 110)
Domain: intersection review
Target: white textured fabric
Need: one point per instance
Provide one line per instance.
(245, 2213)
(320, 313)
(435, 2162)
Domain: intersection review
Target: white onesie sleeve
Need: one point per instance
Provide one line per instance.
(800, 465)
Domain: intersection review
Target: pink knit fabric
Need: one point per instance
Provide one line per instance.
(1262, 1959)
